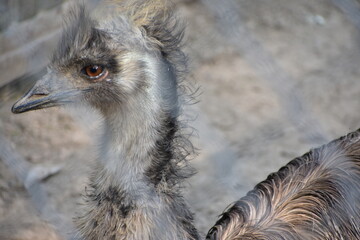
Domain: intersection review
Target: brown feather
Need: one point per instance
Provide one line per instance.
(315, 196)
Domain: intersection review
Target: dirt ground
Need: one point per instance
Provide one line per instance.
(249, 123)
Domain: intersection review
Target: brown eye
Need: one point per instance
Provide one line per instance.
(94, 71)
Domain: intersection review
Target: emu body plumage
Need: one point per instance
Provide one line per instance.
(314, 197)
(125, 61)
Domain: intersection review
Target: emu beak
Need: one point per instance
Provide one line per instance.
(47, 92)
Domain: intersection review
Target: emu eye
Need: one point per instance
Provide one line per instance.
(94, 71)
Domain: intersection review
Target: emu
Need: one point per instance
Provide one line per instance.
(125, 61)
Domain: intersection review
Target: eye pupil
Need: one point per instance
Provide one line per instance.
(94, 69)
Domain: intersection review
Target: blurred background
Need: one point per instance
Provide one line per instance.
(276, 77)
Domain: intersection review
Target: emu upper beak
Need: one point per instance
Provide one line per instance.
(47, 92)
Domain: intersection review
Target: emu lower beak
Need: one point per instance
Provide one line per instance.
(44, 94)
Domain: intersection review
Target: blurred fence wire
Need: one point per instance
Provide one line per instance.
(351, 8)
(231, 24)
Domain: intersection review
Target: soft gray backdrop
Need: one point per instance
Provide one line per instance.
(277, 77)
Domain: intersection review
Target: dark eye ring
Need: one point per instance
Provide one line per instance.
(94, 72)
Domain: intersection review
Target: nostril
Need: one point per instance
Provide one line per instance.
(38, 95)
(40, 90)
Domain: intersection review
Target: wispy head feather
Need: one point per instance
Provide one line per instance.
(143, 12)
(159, 25)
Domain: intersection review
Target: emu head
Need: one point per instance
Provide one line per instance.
(125, 52)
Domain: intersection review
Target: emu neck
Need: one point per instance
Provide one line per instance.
(137, 142)
(131, 193)
(134, 195)
(129, 147)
